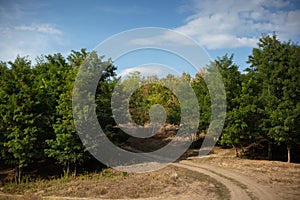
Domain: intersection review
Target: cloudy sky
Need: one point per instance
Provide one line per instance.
(44, 27)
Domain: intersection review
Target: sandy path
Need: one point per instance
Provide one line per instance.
(240, 186)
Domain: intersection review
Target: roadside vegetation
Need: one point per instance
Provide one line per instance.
(111, 184)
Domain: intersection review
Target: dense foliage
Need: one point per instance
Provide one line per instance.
(36, 122)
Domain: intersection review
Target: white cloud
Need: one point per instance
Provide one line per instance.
(219, 24)
(28, 41)
(149, 70)
(166, 37)
(41, 28)
(226, 41)
(19, 36)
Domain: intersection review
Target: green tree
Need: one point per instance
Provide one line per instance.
(66, 147)
(151, 91)
(4, 99)
(285, 119)
(50, 74)
(202, 93)
(264, 61)
(20, 115)
(234, 126)
(277, 67)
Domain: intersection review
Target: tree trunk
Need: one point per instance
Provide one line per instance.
(75, 170)
(289, 154)
(68, 169)
(270, 151)
(16, 175)
(236, 151)
(19, 178)
(242, 149)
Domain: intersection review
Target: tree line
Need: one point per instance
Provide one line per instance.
(263, 101)
(37, 124)
(36, 110)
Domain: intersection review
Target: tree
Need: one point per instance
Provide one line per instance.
(50, 74)
(277, 66)
(233, 131)
(150, 91)
(66, 146)
(264, 61)
(202, 93)
(4, 99)
(285, 119)
(20, 115)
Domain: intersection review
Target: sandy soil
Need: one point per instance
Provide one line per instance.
(281, 179)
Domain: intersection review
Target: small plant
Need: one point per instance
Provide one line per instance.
(124, 174)
(26, 179)
(107, 173)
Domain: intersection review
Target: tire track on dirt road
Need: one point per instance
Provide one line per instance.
(236, 192)
(240, 186)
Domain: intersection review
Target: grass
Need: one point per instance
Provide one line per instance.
(33, 186)
(112, 184)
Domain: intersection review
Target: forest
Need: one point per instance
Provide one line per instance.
(36, 123)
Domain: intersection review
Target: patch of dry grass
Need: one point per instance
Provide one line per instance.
(170, 181)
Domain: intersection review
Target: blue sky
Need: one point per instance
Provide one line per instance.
(45, 27)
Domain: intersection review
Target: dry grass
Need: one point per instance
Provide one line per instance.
(170, 181)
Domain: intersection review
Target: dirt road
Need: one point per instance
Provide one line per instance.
(240, 186)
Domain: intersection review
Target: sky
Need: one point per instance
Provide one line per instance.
(35, 27)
